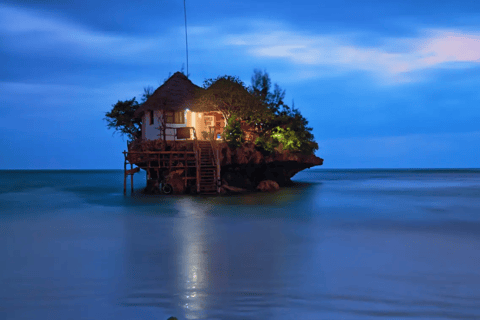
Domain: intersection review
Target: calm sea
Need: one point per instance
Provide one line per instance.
(340, 244)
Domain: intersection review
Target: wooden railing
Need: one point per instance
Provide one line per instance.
(197, 156)
(216, 156)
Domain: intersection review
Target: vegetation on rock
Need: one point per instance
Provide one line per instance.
(277, 126)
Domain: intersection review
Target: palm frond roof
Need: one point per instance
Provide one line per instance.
(176, 94)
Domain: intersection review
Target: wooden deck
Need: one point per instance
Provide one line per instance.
(201, 166)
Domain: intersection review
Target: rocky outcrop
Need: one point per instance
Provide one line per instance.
(268, 185)
(246, 167)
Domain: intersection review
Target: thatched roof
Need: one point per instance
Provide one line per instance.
(176, 94)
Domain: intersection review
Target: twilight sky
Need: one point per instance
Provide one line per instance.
(384, 84)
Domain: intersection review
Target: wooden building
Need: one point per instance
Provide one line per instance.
(188, 129)
(171, 107)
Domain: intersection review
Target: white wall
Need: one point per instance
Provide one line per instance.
(151, 132)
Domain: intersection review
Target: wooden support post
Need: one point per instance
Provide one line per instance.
(125, 173)
(185, 166)
(198, 168)
(131, 178)
(218, 170)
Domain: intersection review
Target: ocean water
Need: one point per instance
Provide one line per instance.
(339, 244)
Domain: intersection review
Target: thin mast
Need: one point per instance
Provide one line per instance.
(186, 41)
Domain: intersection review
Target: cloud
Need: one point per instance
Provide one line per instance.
(304, 54)
(42, 34)
(450, 46)
(395, 58)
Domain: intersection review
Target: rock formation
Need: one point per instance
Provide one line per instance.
(247, 168)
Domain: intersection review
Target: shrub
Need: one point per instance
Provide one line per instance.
(233, 133)
(266, 144)
(288, 139)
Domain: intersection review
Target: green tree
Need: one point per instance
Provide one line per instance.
(233, 133)
(285, 126)
(122, 116)
(261, 85)
(230, 96)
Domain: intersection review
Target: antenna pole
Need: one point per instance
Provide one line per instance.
(186, 41)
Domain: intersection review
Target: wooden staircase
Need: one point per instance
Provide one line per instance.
(208, 172)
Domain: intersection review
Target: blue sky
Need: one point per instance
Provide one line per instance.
(384, 84)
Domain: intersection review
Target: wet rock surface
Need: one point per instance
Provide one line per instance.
(268, 186)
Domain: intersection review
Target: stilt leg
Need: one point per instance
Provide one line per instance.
(125, 177)
(131, 177)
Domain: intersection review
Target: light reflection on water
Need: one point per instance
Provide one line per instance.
(374, 246)
(192, 280)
